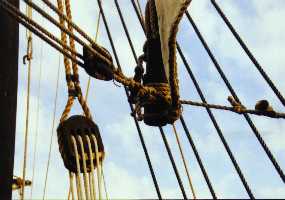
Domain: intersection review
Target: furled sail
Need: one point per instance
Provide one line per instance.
(169, 14)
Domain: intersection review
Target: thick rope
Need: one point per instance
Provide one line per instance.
(85, 177)
(53, 125)
(28, 23)
(184, 162)
(145, 91)
(70, 85)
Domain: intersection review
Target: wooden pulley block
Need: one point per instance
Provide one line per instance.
(96, 67)
(76, 126)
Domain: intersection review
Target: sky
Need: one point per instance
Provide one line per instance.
(259, 22)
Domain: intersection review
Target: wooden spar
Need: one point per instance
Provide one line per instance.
(9, 44)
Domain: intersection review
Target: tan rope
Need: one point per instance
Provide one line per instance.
(71, 188)
(53, 125)
(26, 130)
(184, 162)
(140, 8)
(37, 117)
(78, 180)
(85, 177)
(29, 58)
(98, 166)
(91, 174)
(96, 37)
(104, 182)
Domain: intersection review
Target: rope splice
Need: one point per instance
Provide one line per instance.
(78, 125)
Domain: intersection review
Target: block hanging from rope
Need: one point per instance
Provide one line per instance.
(96, 67)
(78, 125)
(161, 27)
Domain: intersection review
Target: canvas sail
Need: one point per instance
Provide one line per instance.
(168, 12)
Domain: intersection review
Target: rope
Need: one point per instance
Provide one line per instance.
(233, 93)
(52, 129)
(71, 189)
(173, 163)
(140, 9)
(145, 91)
(98, 166)
(80, 31)
(249, 54)
(45, 35)
(96, 37)
(91, 174)
(104, 182)
(96, 50)
(78, 180)
(37, 118)
(29, 58)
(184, 162)
(217, 127)
(85, 177)
(199, 160)
(238, 110)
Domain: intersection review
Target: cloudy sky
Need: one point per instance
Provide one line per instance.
(259, 22)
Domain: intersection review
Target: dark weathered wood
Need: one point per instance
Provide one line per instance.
(9, 43)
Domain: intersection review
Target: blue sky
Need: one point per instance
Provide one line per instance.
(126, 170)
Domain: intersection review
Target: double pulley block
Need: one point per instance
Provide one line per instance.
(73, 134)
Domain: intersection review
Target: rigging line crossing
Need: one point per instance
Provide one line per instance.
(53, 124)
(204, 172)
(161, 130)
(41, 29)
(184, 161)
(216, 125)
(247, 117)
(66, 31)
(173, 163)
(185, 127)
(28, 56)
(37, 116)
(248, 52)
(131, 106)
(18, 17)
(77, 28)
(96, 37)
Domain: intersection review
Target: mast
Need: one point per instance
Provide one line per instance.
(9, 44)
